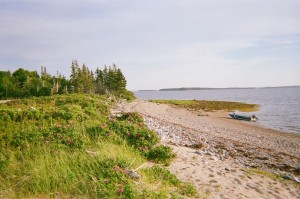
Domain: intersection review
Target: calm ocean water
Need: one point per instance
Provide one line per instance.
(279, 107)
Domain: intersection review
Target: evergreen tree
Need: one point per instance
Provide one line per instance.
(47, 83)
(75, 74)
(100, 88)
(114, 79)
(121, 81)
(6, 84)
(24, 83)
(87, 80)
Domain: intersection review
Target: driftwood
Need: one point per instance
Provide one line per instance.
(133, 173)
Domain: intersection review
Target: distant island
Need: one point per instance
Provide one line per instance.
(199, 88)
(207, 88)
(147, 90)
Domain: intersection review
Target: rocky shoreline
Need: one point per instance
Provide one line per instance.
(251, 145)
(219, 155)
(250, 156)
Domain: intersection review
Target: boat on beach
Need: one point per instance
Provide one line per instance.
(243, 117)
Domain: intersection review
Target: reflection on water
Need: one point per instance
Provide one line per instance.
(280, 107)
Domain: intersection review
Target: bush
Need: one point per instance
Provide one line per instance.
(125, 94)
(131, 127)
(132, 117)
(69, 145)
(161, 154)
(157, 173)
(188, 189)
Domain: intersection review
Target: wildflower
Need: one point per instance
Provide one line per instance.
(128, 134)
(121, 190)
(106, 180)
(70, 141)
(136, 135)
(116, 168)
(124, 171)
(102, 127)
(59, 126)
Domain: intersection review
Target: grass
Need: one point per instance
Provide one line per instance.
(210, 105)
(252, 171)
(277, 177)
(70, 146)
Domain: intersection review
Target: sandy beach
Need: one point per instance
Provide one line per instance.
(223, 157)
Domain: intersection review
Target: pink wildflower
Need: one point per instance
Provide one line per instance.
(70, 141)
(116, 168)
(59, 125)
(121, 190)
(112, 119)
(124, 171)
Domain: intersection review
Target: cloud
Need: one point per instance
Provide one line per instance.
(156, 43)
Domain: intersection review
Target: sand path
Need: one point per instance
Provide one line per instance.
(4, 101)
(221, 168)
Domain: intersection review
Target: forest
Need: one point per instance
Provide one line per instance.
(23, 83)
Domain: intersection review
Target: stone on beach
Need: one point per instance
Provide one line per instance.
(224, 149)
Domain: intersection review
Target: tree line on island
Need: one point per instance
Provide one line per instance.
(23, 83)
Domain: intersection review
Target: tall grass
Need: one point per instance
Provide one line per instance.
(70, 146)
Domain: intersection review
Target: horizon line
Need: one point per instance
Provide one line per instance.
(213, 88)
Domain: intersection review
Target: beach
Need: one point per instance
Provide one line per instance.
(225, 158)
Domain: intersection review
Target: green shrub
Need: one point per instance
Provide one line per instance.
(3, 162)
(132, 117)
(125, 94)
(63, 135)
(130, 126)
(161, 154)
(68, 146)
(188, 189)
(158, 173)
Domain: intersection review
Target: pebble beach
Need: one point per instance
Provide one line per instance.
(225, 158)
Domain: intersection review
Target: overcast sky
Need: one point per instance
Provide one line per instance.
(157, 43)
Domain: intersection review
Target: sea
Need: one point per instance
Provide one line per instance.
(279, 106)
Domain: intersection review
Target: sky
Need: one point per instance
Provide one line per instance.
(157, 43)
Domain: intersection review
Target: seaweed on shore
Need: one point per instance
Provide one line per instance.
(207, 105)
